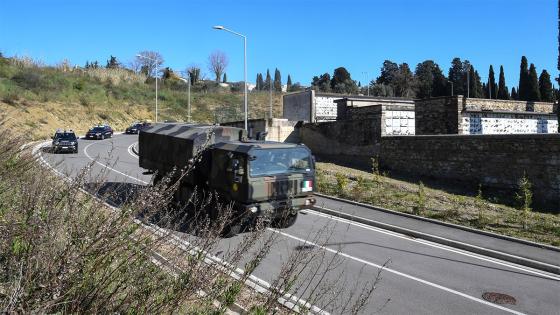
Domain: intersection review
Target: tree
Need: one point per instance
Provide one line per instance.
(112, 63)
(289, 84)
(514, 94)
(533, 93)
(503, 92)
(167, 73)
(389, 71)
(545, 87)
(296, 87)
(403, 82)
(430, 81)
(523, 88)
(260, 82)
(277, 81)
(342, 82)
(217, 63)
(475, 85)
(267, 83)
(322, 83)
(150, 60)
(457, 75)
(224, 80)
(492, 87)
(194, 73)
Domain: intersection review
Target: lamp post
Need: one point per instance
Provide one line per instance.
(156, 63)
(221, 28)
(451, 86)
(188, 81)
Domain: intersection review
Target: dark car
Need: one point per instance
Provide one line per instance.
(137, 126)
(99, 132)
(64, 141)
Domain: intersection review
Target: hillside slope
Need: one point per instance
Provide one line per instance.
(35, 100)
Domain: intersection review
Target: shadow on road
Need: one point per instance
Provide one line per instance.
(117, 194)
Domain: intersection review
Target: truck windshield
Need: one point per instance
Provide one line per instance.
(279, 161)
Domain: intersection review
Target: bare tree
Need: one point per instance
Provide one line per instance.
(149, 61)
(217, 63)
(194, 73)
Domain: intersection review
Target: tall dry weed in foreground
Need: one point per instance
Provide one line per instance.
(116, 75)
(63, 250)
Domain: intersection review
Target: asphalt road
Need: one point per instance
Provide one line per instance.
(420, 278)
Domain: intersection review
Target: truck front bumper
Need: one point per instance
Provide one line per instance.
(277, 208)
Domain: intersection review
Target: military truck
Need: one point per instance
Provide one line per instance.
(259, 179)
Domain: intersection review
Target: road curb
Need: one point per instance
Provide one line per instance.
(447, 224)
(440, 240)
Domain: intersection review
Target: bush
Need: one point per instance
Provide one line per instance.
(525, 199)
(420, 207)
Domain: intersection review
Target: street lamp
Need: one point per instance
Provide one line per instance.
(188, 81)
(156, 63)
(221, 28)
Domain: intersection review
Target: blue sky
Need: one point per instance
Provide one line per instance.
(302, 38)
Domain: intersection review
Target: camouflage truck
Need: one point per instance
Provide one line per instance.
(260, 179)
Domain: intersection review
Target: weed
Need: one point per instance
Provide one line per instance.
(420, 206)
(341, 183)
(525, 199)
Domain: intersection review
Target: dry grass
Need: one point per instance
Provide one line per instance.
(407, 197)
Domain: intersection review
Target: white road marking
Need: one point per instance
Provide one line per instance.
(110, 168)
(432, 244)
(130, 150)
(434, 285)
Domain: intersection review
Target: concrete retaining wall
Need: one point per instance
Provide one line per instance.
(498, 161)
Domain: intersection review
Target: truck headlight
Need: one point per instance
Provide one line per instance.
(253, 209)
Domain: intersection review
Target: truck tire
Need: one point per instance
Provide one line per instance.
(285, 222)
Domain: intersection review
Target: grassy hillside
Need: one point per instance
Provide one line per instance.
(37, 99)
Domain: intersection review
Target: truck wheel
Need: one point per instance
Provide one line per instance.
(285, 222)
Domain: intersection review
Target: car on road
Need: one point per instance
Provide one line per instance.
(137, 126)
(64, 141)
(100, 132)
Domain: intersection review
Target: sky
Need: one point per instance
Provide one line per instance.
(302, 38)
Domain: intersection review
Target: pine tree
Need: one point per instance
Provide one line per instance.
(289, 84)
(224, 80)
(457, 76)
(112, 63)
(545, 87)
(260, 82)
(257, 86)
(492, 87)
(523, 89)
(533, 93)
(503, 92)
(277, 81)
(87, 66)
(475, 86)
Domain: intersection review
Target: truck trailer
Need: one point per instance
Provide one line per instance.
(269, 180)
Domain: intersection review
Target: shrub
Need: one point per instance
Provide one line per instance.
(420, 207)
(341, 183)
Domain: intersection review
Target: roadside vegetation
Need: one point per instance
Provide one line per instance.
(62, 250)
(474, 211)
(36, 99)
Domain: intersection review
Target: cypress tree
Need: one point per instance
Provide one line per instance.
(475, 86)
(492, 87)
(277, 81)
(289, 84)
(514, 95)
(545, 87)
(261, 82)
(503, 93)
(457, 75)
(533, 93)
(257, 87)
(267, 82)
(523, 89)
(224, 80)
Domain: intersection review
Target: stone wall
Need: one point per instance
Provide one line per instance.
(438, 115)
(355, 141)
(497, 161)
(461, 115)
(278, 129)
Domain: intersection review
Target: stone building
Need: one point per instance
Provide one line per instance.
(466, 116)
(311, 106)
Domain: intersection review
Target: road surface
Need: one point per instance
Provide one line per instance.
(420, 278)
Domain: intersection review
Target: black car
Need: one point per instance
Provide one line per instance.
(64, 141)
(99, 132)
(136, 127)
